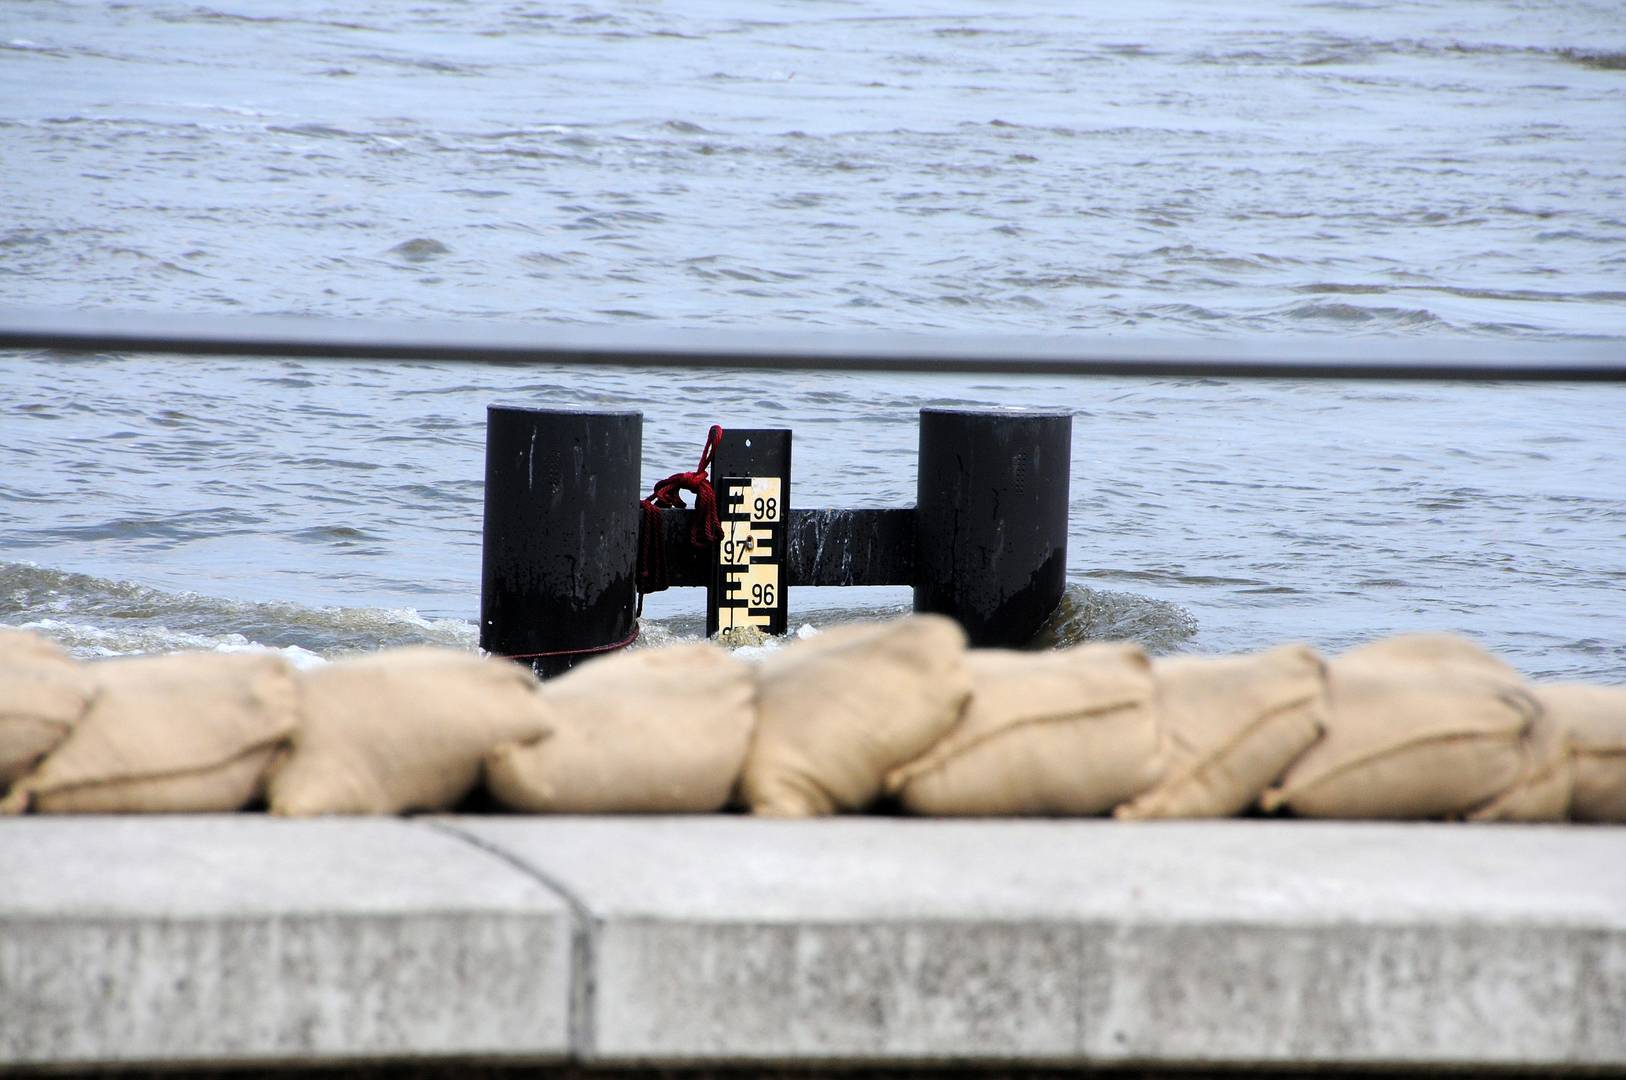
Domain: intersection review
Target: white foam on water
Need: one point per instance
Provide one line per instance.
(772, 645)
(453, 633)
(96, 617)
(94, 642)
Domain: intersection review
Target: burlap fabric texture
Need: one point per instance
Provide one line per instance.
(404, 729)
(654, 731)
(1231, 726)
(836, 713)
(188, 732)
(1418, 726)
(1574, 759)
(1067, 732)
(43, 694)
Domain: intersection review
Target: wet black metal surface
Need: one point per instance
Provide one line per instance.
(825, 547)
(852, 547)
(991, 519)
(561, 533)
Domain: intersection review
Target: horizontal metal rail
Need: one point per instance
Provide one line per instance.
(1458, 360)
(826, 547)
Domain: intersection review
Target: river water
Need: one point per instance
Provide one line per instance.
(1403, 173)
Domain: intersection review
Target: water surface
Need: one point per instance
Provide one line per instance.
(1400, 173)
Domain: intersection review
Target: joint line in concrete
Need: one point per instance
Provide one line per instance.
(583, 936)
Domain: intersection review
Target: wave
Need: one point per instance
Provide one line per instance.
(1336, 49)
(94, 616)
(1602, 61)
(1087, 614)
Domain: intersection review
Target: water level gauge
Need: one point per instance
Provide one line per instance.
(753, 491)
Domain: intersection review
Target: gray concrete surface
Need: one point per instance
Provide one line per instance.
(251, 939)
(1091, 941)
(730, 941)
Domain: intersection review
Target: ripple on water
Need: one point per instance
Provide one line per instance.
(1389, 170)
(1087, 614)
(420, 249)
(95, 616)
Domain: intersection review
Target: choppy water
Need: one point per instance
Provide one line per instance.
(1403, 171)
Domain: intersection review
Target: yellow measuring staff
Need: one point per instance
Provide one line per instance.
(751, 561)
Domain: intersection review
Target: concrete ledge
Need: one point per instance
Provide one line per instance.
(246, 939)
(1192, 944)
(723, 941)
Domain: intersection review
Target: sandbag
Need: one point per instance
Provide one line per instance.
(403, 729)
(1232, 725)
(1591, 721)
(18, 646)
(1446, 650)
(1067, 732)
(1418, 726)
(43, 693)
(1542, 788)
(184, 733)
(654, 731)
(837, 712)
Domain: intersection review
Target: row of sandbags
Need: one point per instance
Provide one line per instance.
(1420, 726)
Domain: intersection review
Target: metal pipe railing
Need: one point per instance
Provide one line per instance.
(1456, 360)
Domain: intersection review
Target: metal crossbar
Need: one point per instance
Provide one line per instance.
(1455, 360)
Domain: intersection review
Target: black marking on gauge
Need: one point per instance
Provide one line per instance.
(752, 470)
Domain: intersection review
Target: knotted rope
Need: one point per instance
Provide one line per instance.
(704, 528)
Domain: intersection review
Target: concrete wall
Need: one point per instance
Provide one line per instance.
(732, 942)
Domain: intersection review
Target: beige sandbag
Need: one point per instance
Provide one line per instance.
(1418, 726)
(655, 731)
(1593, 722)
(1233, 725)
(186, 733)
(18, 646)
(404, 729)
(837, 712)
(1450, 650)
(43, 693)
(1541, 789)
(1068, 732)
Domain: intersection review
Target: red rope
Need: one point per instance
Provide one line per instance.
(622, 644)
(705, 529)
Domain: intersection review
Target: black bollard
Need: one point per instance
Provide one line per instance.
(558, 578)
(991, 519)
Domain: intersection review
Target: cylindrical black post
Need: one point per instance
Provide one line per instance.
(991, 519)
(559, 568)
